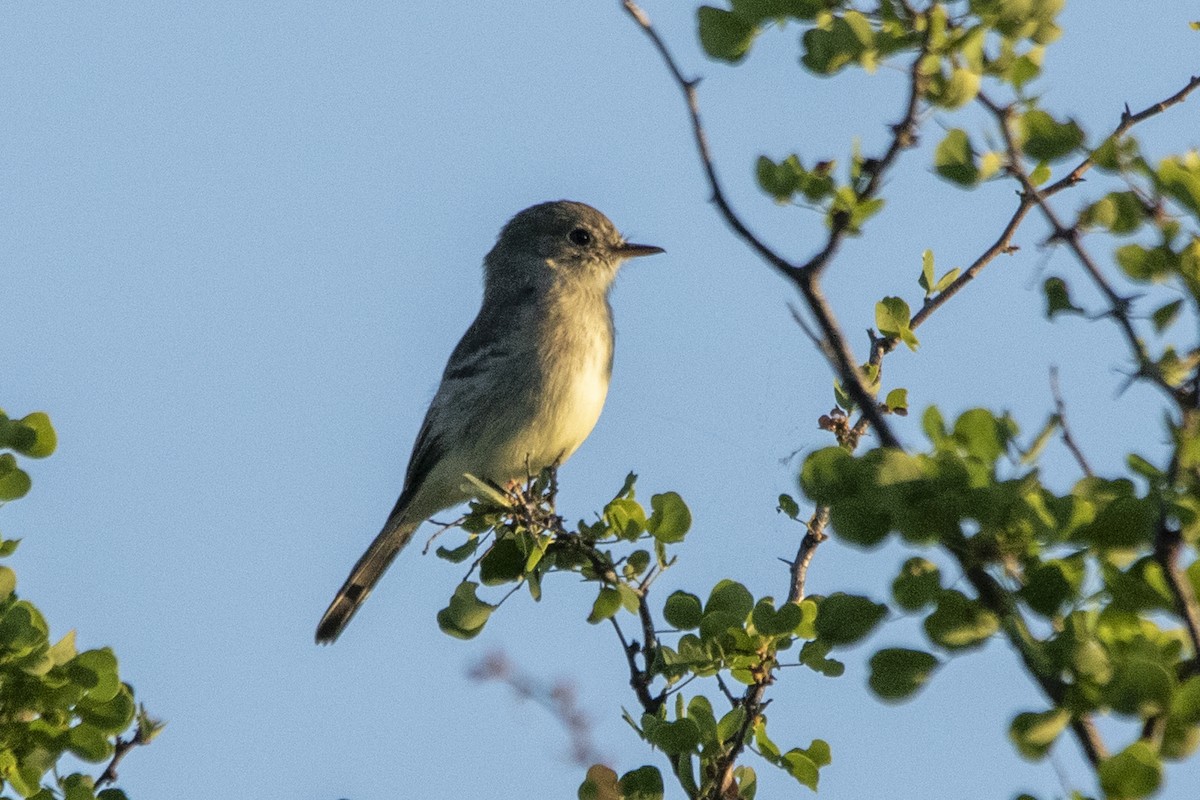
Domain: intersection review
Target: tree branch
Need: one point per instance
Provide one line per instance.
(1060, 409)
(1118, 305)
(805, 277)
(688, 87)
(1000, 602)
(808, 548)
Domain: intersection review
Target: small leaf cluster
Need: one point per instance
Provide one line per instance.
(1079, 568)
(845, 205)
(955, 46)
(54, 700)
(526, 541)
(31, 436)
(517, 538)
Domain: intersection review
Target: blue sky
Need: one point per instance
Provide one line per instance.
(240, 241)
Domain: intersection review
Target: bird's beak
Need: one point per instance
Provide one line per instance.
(629, 250)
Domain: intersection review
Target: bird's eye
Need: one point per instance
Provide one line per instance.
(580, 236)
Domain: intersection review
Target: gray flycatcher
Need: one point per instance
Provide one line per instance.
(525, 385)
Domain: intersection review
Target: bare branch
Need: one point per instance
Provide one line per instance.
(1060, 408)
(146, 730)
(805, 278)
(1168, 542)
(1000, 602)
(808, 548)
(688, 87)
(558, 699)
(1118, 305)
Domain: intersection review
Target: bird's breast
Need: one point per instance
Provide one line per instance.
(575, 385)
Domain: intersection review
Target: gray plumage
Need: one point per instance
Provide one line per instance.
(525, 385)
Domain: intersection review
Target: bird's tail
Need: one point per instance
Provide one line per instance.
(363, 577)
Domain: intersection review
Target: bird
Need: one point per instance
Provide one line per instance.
(524, 386)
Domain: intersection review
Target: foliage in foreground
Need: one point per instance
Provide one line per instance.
(55, 701)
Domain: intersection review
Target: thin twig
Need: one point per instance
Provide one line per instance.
(637, 679)
(1000, 602)
(1060, 409)
(140, 737)
(1168, 543)
(805, 278)
(688, 87)
(1118, 305)
(558, 699)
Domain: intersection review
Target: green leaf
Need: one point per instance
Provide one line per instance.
(981, 434)
(1163, 316)
(954, 159)
(944, 282)
(466, 614)
(828, 475)
(725, 35)
(770, 622)
(600, 784)
(643, 783)
(676, 738)
(96, 672)
(89, 743)
(1134, 772)
(109, 716)
(1025, 68)
(1178, 177)
(789, 506)
(926, 279)
(1034, 733)
(629, 597)
(670, 520)
(8, 582)
(844, 40)
(813, 655)
(1125, 522)
(730, 597)
(682, 610)
(1058, 299)
(1051, 585)
(892, 318)
(801, 767)
(33, 435)
(897, 673)
(897, 401)
(627, 489)
(503, 563)
(1119, 212)
(960, 623)
(731, 724)
(461, 553)
(1149, 264)
(64, 650)
(1141, 685)
(933, 424)
(626, 517)
(846, 618)
(1041, 174)
(78, 786)
(954, 91)
(917, 585)
(14, 482)
(1046, 139)
(608, 602)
